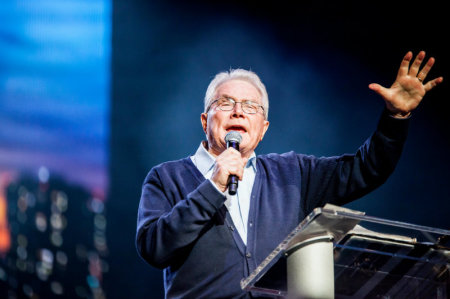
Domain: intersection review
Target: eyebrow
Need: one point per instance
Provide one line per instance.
(244, 100)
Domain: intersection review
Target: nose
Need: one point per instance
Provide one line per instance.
(238, 111)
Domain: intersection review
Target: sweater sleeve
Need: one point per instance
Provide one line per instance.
(339, 180)
(166, 227)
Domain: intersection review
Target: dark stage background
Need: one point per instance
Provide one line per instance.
(316, 60)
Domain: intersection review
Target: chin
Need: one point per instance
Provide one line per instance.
(242, 132)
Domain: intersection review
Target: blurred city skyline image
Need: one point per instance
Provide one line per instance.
(54, 103)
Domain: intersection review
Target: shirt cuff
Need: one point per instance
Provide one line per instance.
(217, 188)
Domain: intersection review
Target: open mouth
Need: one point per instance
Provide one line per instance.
(240, 129)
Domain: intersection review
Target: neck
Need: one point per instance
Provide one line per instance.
(216, 153)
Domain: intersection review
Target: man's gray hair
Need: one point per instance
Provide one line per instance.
(237, 74)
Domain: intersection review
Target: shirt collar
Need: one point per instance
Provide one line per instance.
(205, 161)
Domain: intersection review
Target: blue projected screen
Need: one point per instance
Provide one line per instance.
(54, 131)
(54, 95)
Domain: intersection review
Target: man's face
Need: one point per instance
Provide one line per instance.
(217, 123)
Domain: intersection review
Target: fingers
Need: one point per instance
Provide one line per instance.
(424, 72)
(409, 88)
(230, 162)
(414, 70)
(234, 162)
(404, 66)
(238, 167)
(432, 83)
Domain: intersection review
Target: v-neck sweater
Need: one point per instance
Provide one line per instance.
(184, 227)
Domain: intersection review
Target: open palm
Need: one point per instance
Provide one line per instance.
(408, 90)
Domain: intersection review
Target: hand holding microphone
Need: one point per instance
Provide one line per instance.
(233, 139)
(229, 167)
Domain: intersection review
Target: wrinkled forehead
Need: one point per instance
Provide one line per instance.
(238, 89)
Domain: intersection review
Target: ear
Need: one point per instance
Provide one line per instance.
(266, 126)
(204, 120)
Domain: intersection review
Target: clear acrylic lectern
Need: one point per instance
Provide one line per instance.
(341, 253)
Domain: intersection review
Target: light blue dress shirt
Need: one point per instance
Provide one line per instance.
(238, 205)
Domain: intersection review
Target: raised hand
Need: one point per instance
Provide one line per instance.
(409, 87)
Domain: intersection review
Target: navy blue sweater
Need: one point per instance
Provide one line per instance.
(184, 228)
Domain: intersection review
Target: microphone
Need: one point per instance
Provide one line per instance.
(233, 139)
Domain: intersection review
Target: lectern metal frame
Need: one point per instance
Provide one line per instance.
(382, 258)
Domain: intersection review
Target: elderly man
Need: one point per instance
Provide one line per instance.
(207, 240)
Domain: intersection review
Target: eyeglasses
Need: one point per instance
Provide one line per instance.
(227, 103)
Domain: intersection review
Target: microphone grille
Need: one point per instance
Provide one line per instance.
(233, 136)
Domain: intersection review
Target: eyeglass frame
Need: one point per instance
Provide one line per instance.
(234, 105)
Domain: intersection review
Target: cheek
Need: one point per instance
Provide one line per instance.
(257, 133)
(214, 123)
(213, 128)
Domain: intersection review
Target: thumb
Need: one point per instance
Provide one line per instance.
(382, 91)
